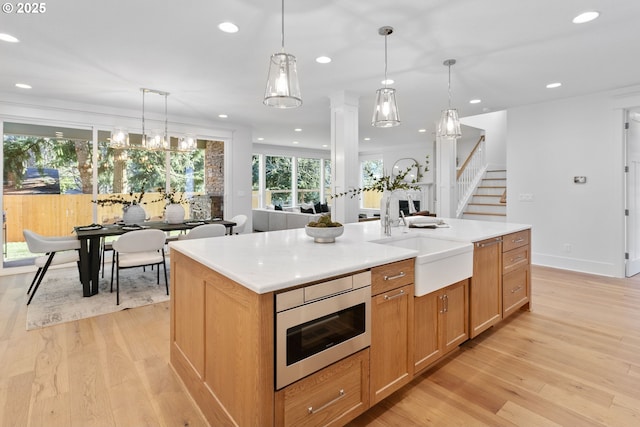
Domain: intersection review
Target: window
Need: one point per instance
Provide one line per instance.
(278, 182)
(370, 169)
(289, 181)
(308, 180)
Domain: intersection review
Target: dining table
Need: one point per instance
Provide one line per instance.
(91, 236)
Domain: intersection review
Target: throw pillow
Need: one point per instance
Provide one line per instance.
(278, 207)
(325, 207)
(307, 211)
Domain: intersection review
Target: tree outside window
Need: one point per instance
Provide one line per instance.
(278, 172)
(308, 180)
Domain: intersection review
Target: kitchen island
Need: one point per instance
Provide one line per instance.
(223, 293)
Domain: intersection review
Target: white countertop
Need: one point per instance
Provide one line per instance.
(275, 260)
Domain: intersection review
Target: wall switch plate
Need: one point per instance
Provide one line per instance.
(580, 179)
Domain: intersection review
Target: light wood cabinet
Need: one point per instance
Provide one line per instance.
(332, 396)
(485, 294)
(516, 279)
(441, 323)
(391, 328)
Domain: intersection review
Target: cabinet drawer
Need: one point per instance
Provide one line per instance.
(333, 396)
(515, 290)
(515, 259)
(390, 276)
(515, 240)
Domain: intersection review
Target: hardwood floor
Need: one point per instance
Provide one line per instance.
(573, 361)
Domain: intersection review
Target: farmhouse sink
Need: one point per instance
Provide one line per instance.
(439, 263)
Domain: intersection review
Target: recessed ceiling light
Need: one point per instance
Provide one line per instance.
(325, 145)
(475, 101)
(585, 17)
(297, 130)
(323, 59)
(228, 27)
(222, 116)
(367, 139)
(422, 130)
(387, 82)
(295, 142)
(23, 86)
(554, 85)
(261, 139)
(8, 38)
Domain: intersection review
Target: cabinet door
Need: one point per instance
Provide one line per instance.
(455, 326)
(486, 286)
(391, 339)
(427, 348)
(515, 290)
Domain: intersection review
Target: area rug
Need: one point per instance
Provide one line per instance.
(59, 298)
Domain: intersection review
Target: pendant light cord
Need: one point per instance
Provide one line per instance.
(143, 139)
(449, 86)
(282, 24)
(385, 61)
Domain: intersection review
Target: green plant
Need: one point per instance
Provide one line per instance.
(172, 197)
(389, 183)
(121, 199)
(323, 222)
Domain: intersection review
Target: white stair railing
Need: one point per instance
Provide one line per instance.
(470, 175)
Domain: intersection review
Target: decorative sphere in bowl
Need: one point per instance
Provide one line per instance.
(324, 234)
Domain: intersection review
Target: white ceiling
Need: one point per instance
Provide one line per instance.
(102, 53)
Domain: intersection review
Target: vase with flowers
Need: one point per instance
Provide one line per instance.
(174, 212)
(404, 179)
(132, 210)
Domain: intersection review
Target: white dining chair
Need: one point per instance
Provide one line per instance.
(138, 248)
(240, 221)
(206, 230)
(58, 250)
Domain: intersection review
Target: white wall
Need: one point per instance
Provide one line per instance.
(495, 127)
(575, 226)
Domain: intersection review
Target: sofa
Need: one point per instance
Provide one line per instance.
(271, 219)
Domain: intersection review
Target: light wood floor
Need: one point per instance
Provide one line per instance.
(573, 361)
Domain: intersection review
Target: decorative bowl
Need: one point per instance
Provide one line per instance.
(324, 234)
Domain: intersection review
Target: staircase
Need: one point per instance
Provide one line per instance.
(489, 201)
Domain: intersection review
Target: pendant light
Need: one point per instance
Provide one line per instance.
(385, 111)
(449, 124)
(158, 139)
(283, 90)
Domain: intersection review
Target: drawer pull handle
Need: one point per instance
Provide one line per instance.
(312, 411)
(519, 240)
(514, 290)
(398, 295)
(484, 245)
(397, 276)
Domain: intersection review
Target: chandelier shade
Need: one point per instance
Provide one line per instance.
(283, 89)
(449, 124)
(119, 139)
(385, 110)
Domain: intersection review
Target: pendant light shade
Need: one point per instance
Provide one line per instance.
(282, 90)
(385, 111)
(449, 124)
(385, 114)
